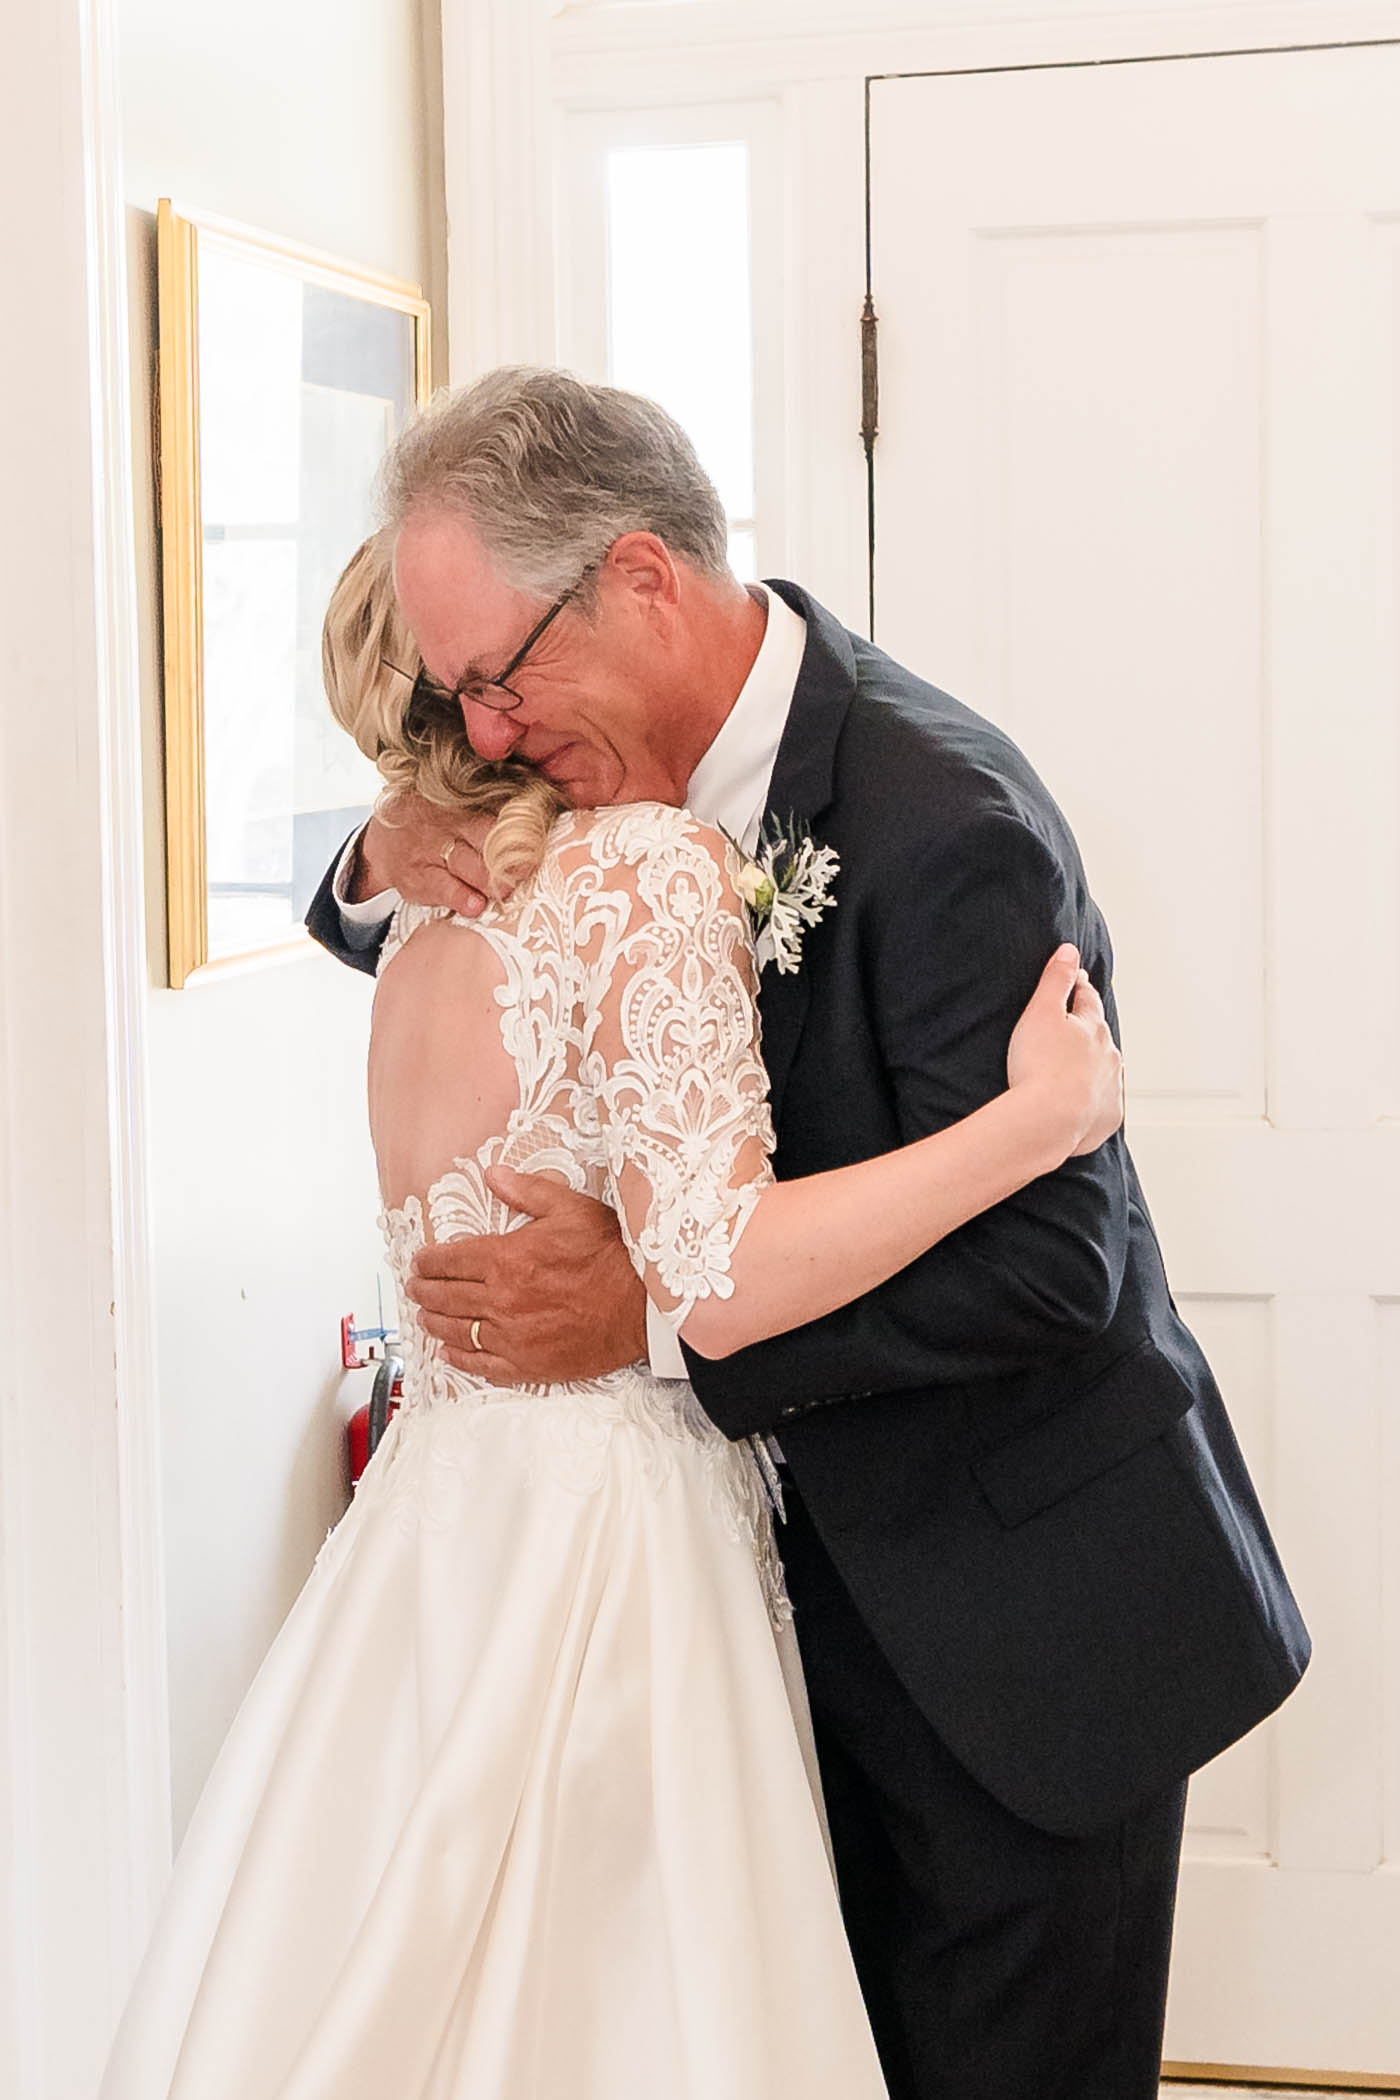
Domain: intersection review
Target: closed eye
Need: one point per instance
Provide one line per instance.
(433, 689)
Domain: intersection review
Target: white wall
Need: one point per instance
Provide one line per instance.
(84, 1788)
(320, 122)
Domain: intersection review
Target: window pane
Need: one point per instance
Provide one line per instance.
(743, 555)
(679, 312)
(301, 390)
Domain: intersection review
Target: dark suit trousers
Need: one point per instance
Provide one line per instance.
(998, 1962)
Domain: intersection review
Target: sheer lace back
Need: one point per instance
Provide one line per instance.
(623, 994)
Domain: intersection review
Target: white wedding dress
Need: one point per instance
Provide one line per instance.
(522, 1803)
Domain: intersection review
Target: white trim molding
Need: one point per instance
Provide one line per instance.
(636, 25)
(145, 1804)
(84, 1791)
(621, 55)
(498, 171)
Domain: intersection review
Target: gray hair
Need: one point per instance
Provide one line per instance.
(551, 471)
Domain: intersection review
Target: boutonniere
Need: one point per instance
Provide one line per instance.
(786, 884)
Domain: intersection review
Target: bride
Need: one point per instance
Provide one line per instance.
(522, 1803)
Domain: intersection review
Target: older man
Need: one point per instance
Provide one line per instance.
(1033, 1585)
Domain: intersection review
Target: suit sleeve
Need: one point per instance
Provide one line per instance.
(325, 924)
(950, 963)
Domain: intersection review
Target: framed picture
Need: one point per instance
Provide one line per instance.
(284, 377)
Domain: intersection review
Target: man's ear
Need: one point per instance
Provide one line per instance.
(644, 567)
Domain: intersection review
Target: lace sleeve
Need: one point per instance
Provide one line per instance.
(671, 1058)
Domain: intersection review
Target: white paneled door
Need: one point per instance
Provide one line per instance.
(1137, 498)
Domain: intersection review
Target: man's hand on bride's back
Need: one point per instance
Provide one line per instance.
(428, 854)
(556, 1300)
(1062, 1050)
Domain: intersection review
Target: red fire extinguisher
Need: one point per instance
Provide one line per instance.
(368, 1423)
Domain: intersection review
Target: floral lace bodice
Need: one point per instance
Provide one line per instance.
(626, 1007)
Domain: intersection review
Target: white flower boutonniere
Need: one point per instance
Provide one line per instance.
(786, 885)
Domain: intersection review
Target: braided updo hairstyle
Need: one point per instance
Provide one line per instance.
(415, 735)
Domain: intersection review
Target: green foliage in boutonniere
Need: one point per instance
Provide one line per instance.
(786, 884)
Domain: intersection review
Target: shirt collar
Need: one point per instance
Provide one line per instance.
(729, 787)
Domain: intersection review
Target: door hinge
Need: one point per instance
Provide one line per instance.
(869, 376)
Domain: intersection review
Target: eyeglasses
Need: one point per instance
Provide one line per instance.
(482, 692)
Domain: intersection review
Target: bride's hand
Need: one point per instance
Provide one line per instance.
(428, 854)
(1062, 1052)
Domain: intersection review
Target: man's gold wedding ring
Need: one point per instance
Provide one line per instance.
(476, 1334)
(448, 850)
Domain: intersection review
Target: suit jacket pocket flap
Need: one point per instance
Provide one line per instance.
(1126, 1406)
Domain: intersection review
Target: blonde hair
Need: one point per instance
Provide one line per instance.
(416, 736)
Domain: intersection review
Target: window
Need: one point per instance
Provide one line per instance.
(670, 284)
(680, 306)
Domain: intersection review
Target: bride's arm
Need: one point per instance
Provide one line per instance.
(731, 1256)
(818, 1243)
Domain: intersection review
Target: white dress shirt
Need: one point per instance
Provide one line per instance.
(362, 924)
(729, 789)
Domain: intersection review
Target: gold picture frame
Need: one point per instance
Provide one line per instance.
(278, 391)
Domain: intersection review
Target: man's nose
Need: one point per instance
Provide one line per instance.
(493, 732)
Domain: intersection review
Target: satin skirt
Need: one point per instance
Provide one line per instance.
(522, 1803)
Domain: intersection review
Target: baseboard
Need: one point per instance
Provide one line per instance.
(1285, 2080)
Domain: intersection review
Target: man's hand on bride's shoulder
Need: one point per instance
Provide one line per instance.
(1063, 1054)
(554, 1301)
(430, 855)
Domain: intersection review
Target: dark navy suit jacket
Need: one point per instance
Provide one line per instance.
(1014, 1450)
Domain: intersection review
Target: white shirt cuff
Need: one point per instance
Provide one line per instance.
(664, 1356)
(663, 1346)
(361, 922)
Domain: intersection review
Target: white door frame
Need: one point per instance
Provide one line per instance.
(84, 1788)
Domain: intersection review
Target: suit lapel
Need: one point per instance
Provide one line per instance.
(802, 787)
